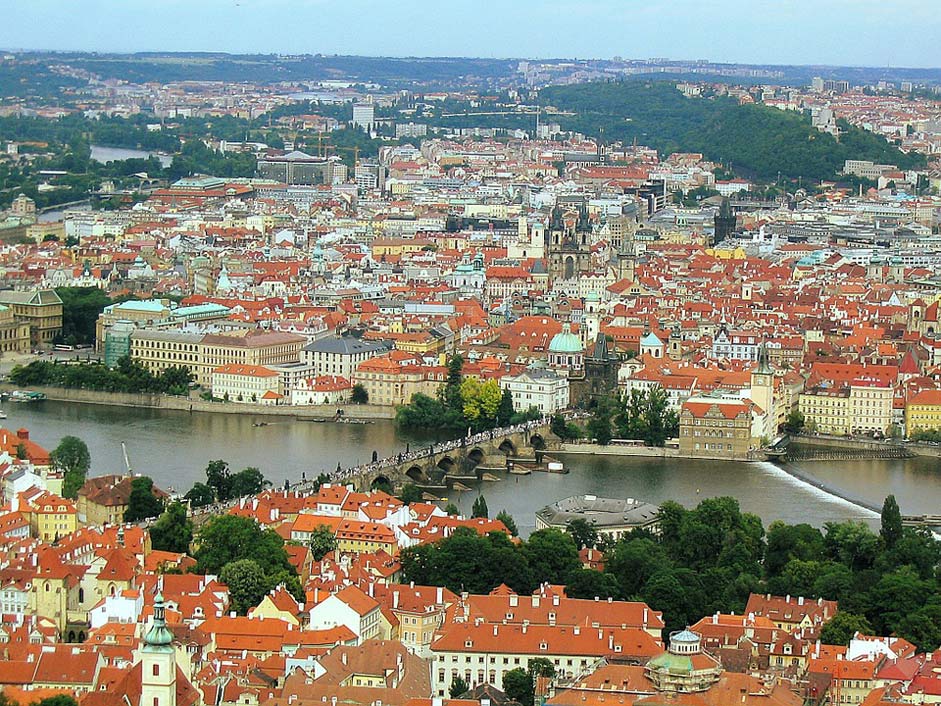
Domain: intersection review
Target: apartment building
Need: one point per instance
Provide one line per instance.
(923, 412)
(482, 653)
(864, 406)
(245, 383)
(204, 353)
(340, 355)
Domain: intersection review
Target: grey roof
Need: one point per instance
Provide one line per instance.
(173, 336)
(345, 345)
(601, 512)
(41, 296)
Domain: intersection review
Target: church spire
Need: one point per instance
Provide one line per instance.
(764, 365)
(159, 636)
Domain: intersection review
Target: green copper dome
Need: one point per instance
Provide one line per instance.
(159, 637)
(565, 341)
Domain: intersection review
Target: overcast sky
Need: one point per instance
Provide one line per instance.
(847, 32)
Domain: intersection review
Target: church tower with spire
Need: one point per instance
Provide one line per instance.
(158, 662)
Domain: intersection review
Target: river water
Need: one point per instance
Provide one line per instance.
(102, 154)
(174, 447)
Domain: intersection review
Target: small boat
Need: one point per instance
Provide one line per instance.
(460, 487)
(489, 477)
(260, 424)
(3, 415)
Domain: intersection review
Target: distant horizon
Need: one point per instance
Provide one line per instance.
(841, 33)
(424, 57)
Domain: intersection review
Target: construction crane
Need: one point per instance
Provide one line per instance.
(127, 461)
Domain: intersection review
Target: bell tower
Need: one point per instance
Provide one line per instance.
(158, 662)
(762, 382)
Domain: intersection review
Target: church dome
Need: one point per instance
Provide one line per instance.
(565, 341)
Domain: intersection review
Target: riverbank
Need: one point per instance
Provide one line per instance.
(190, 404)
(612, 450)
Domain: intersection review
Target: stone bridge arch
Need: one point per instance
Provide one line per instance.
(507, 447)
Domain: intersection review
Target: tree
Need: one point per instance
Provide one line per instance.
(505, 410)
(480, 507)
(599, 426)
(200, 495)
(588, 584)
(507, 519)
(142, 502)
(173, 531)
(411, 493)
(359, 394)
(583, 532)
(458, 687)
(794, 423)
(518, 685)
(72, 458)
(891, 531)
(248, 481)
(57, 700)
(480, 402)
(227, 538)
(839, 630)
(247, 584)
(322, 542)
(551, 555)
(451, 509)
(218, 478)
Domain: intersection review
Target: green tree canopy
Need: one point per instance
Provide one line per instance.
(142, 503)
(173, 531)
(227, 538)
(247, 584)
(73, 459)
(322, 542)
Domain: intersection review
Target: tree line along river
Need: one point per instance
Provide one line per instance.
(173, 448)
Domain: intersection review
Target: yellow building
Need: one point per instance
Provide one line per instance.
(365, 538)
(51, 517)
(40, 308)
(391, 383)
(923, 412)
(862, 407)
(204, 353)
(244, 383)
(14, 334)
(715, 428)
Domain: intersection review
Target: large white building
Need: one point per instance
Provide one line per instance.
(246, 383)
(537, 387)
(340, 355)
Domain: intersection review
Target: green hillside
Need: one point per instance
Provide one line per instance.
(759, 141)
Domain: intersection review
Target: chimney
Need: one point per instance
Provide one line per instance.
(495, 630)
(23, 434)
(645, 616)
(800, 600)
(395, 599)
(439, 595)
(343, 657)
(787, 598)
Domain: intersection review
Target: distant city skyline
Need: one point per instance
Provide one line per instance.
(901, 33)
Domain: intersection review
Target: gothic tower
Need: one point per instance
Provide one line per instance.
(724, 222)
(762, 382)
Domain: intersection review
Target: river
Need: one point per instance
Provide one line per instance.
(174, 447)
(103, 154)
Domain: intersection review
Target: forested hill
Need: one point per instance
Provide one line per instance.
(758, 140)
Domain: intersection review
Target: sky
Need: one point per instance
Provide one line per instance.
(899, 33)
